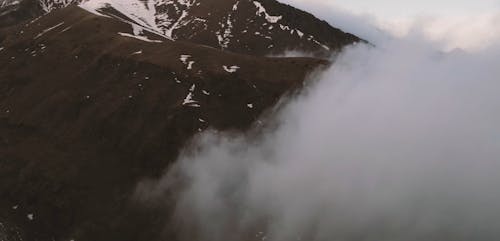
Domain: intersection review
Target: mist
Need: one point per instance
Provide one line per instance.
(397, 142)
(470, 29)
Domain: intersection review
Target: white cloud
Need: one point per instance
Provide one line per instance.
(473, 27)
(394, 143)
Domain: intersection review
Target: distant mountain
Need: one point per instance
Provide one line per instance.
(96, 97)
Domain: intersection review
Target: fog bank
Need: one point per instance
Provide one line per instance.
(395, 143)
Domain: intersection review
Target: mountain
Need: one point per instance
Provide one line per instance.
(97, 97)
(244, 26)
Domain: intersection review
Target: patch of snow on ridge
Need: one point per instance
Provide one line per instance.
(66, 29)
(141, 12)
(184, 59)
(48, 30)
(142, 38)
(189, 101)
(261, 10)
(181, 21)
(92, 8)
(311, 38)
(138, 30)
(138, 33)
(49, 5)
(169, 32)
(231, 69)
(6, 3)
(225, 38)
(300, 33)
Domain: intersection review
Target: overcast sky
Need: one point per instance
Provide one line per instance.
(464, 24)
(410, 8)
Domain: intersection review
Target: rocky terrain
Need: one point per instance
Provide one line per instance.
(96, 97)
(244, 26)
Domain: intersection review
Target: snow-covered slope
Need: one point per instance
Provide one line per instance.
(258, 27)
(248, 26)
(49, 5)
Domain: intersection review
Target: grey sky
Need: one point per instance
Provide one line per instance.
(410, 8)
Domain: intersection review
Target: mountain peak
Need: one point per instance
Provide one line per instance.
(96, 95)
(257, 27)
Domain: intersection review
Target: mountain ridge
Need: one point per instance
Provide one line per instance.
(92, 102)
(263, 27)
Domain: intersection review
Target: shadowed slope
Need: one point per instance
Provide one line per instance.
(87, 108)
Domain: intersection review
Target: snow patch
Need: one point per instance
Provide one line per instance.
(300, 33)
(311, 38)
(230, 69)
(224, 38)
(66, 29)
(142, 38)
(7, 3)
(262, 11)
(170, 25)
(184, 59)
(138, 30)
(284, 27)
(169, 32)
(49, 5)
(92, 8)
(189, 100)
(48, 30)
(141, 12)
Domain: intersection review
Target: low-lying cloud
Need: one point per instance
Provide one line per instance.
(399, 142)
(474, 31)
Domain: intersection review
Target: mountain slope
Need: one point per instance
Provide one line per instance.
(98, 95)
(260, 27)
(90, 105)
